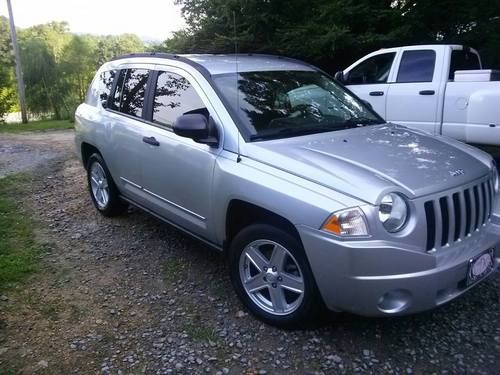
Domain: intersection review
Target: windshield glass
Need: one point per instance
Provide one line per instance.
(278, 104)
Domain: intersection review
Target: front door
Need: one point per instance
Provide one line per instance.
(368, 80)
(177, 172)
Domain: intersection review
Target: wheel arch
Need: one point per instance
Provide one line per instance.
(86, 151)
(240, 214)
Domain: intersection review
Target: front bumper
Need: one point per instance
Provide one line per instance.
(378, 278)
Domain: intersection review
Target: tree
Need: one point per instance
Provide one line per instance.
(333, 33)
(112, 46)
(7, 84)
(475, 24)
(42, 48)
(78, 65)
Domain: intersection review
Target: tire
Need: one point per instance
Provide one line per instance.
(103, 191)
(284, 271)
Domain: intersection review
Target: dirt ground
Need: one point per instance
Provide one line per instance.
(132, 295)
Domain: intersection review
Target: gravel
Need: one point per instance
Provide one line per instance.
(134, 295)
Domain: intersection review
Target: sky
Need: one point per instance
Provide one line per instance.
(151, 20)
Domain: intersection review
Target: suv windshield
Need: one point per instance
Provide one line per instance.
(278, 104)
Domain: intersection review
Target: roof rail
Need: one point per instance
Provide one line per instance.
(162, 55)
(168, 56)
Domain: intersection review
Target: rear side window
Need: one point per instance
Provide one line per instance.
(133, 92)
(174, 96)
(100, 89)
(130, 90)
(417, 66)
(463, 60)
(376, 69)
(115, 104)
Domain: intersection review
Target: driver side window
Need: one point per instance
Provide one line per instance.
(174, 97)
(376, 69)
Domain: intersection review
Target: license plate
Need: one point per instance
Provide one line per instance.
(480, 266)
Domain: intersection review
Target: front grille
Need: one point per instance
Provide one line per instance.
(454, 216)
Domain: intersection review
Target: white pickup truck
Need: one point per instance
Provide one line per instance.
(441, 89)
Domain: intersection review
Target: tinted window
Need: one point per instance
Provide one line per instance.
(133, 92)
(374, 70)
(100, 88)
(118, 91)
(463, 60)
(174, 96)
(417, 66)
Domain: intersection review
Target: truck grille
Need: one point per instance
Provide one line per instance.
(454, 216)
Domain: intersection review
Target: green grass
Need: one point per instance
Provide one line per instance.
(36, 126)
(198, 332)
(18, 248)
(173, 269)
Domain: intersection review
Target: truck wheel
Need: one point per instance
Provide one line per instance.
(103, 190)
(271, 275)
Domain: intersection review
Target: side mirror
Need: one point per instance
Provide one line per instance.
(104, 103)
(339, 76)
(197, 127)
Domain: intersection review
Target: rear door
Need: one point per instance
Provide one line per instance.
(413, 98)
(126, 112)
(369, 78)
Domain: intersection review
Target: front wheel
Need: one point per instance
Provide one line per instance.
(272, 277)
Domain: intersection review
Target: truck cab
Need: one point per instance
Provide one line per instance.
(441, 89)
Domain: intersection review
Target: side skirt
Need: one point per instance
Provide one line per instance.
(199, 238)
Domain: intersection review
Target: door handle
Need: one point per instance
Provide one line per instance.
(150, 141)
(427, 92)
(376, 93)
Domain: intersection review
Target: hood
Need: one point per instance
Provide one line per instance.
(366, 162)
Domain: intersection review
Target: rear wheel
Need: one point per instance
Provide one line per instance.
(103, 190)
(271, 275)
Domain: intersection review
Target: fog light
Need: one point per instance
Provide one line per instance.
(395, 301)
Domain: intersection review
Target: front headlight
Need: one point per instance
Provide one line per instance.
(495, 178)
(393, 212)
(348, 222)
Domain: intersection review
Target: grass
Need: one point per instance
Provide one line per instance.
(173, 270)
(36, 126)
(18, 248)
(198, 332)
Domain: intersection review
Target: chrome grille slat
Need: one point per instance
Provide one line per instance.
(439, 222)
(490, 194)
(457, 215)
(462, 210)
(487, 202)
(480, 208)
(451, 220)
(475, 200)
(469, 201)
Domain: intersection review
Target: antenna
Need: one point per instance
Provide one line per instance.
(238, 158)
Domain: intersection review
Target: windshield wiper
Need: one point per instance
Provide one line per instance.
(355, 122)
(291, 131)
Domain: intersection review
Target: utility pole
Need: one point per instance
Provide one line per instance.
(19, 72)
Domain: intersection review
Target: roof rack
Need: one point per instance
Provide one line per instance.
(162, 55)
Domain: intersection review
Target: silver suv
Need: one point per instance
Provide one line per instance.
(312, 197)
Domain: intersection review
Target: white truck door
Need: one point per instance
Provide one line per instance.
(368, 79)
(413, 98)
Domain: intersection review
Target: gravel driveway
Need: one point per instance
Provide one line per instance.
(133, 295)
